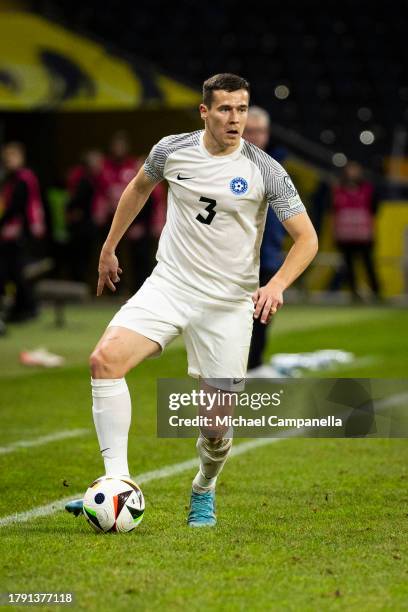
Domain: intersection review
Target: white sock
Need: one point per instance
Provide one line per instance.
(112, 411)
(213, 456)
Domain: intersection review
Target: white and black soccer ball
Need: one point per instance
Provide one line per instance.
(114, 504)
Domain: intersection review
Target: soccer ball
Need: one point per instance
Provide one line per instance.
(113, 504)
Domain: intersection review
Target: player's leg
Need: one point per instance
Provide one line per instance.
(217, 345)
(213, 444)
(142, 327)
(367, 255)
(118, 351)
(349, 253)
(213, 447)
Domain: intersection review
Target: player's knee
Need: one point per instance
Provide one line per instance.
(103, 364)
(98, 363)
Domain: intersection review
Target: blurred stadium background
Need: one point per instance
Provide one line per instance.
(334, 79)
(80, 82)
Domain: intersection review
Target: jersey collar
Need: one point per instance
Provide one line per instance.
(234, 155)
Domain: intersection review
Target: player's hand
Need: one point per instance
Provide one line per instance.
(267, 301)
(108, 271)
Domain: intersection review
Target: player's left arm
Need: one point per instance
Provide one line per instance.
(269, 298)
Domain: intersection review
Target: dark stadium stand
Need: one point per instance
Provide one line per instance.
(345, 64)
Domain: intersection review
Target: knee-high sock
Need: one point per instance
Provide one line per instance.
(213, 456)
(112, 410)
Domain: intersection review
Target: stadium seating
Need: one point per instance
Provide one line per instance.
(344, 64)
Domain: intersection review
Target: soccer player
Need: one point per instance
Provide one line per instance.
(205, 284)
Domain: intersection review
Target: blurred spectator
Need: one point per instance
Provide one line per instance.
(119, 168)
(87, 190)
(257, 132)
(21, 223)
(142, 236)
(321, 202)
(137, 251)
(354, 208)
(95, 187)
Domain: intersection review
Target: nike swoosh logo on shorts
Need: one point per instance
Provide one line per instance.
(184, 178)
(237, 380)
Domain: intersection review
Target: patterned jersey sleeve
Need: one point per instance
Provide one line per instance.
(155, 162)
(281, 194)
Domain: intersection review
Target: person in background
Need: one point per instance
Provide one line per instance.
(85, 208)
(22, 222)
(354, 207)
(257, 131)
(141, 238)
(143, 235)
(119, 168)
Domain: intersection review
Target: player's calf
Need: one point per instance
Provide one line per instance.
(213, 453)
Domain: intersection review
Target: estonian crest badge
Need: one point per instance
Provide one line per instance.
(239, 185)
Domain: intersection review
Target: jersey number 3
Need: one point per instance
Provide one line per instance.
(211, 212)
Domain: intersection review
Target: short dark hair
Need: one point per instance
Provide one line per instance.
(225, 81)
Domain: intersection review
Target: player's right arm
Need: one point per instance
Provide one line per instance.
(130, 204)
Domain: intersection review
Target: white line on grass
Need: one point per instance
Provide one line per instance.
(58, 435)
(390, 402)
(165, 472)
(172, 470)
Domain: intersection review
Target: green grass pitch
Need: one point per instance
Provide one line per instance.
(303, 524)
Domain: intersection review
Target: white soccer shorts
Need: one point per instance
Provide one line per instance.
(217, 333)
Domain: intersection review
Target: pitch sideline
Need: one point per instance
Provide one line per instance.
(164, 472)
(40, 441)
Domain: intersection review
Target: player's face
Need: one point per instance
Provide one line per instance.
(226, 118)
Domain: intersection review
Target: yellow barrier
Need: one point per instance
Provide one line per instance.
(392, 235)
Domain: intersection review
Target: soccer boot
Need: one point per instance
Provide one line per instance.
(202, 510)
(75, 506)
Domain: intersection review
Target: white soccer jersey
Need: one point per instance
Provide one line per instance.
(216, 212)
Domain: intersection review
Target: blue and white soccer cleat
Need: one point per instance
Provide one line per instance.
(202, 510)
(75, 507)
